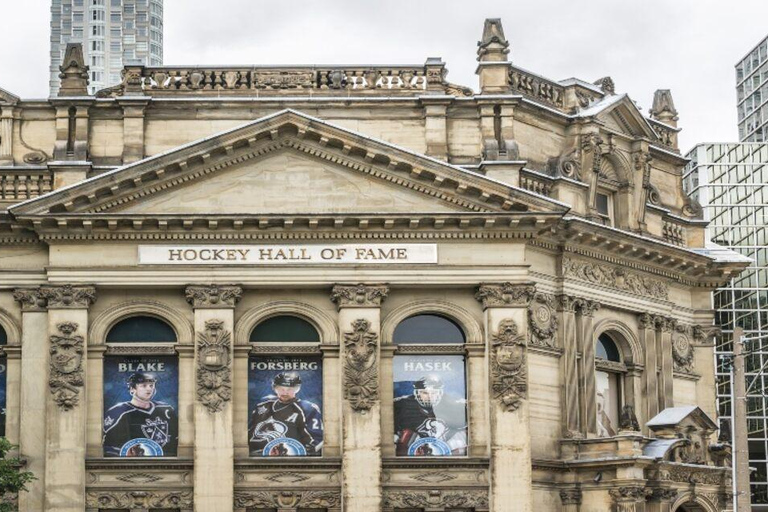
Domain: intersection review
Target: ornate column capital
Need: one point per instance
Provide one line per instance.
(587, 307)
(30, 299)
(646, 321)
(666, 324)
(566, 303)
(659, 494)
(68, 296)
(213, 296)
(570, 496)
(501, 295)
(629, 494)
(359, 295)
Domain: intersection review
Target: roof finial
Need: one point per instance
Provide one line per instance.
(74, 72)
(606, 85)
(663, 109)
(493, 46)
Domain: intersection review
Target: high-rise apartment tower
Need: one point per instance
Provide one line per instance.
(113, 33)
(752, 94)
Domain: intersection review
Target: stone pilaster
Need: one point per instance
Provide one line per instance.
(586, 343)
(66, 400)
(360, 324)
(571, 499)
(505, 308)
(214, 438)
(34, 393)
(650, 385)
(569, 365)
(665, 362)
(661, 500)
(6, 135)
(133, 127)
(436, 125)
(629, 498)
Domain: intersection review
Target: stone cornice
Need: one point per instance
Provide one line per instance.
(504, 295)
(213, 297)
(68, 297)
(359, 295)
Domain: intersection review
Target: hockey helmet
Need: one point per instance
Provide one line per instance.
(428, 390)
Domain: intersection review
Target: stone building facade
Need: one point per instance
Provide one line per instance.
(533, 234)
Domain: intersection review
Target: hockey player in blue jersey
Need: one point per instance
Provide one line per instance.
(141, 427)
(283, 425)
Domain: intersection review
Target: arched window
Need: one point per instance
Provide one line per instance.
(609, 370)
(3, 337)
(141, 383)
(141, 329)
(285, 329)
(430, 411)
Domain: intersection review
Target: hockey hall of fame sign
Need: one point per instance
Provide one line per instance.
(141, 400)
(430, 406)
(285, 404)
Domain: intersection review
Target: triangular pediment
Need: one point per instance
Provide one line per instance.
(7, 97)
(620, 114)
(286, 163)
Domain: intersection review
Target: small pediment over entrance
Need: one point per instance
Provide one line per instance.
(620, 114)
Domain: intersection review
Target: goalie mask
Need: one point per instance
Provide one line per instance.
(428, 391)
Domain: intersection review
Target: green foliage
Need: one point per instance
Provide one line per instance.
(12, 479)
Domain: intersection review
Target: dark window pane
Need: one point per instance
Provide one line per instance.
(3, 337)
(141, 329)
(428, 329)
(286, 329)
(757, 450)
(606, 349)
(602, 204)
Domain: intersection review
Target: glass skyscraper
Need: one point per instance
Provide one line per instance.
(752, 94)
(731, 183)
(113, 33)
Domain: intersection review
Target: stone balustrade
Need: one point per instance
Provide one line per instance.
(536, 87)
(535, 184)
(673, 232)
(23, 185)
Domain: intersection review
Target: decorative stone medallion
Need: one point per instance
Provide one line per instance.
(66, 377)
(361, 372)
(214, 366)
(542, 320)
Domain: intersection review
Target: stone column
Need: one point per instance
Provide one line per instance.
(629, 498)
(569, 362)
(360, 327)
(586, 334)
(650, 384)
(66, 404)
(665, 363)
(661, 500)
(6, 135)
(214, 442)
(506, 326)
(571, 499)
(34, 393)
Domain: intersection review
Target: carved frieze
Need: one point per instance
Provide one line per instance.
(320, 499)
(542, 320)
(214, 366)
(359, 295)
(629, 494)
(118, 500)
(30, 299)
(361, 370)
(436, 499)
(570, 496)
(284, 80)
(505, 294)
(535, 87)
(615, 277)
(509, 368)
(66, 379)
(661, 494)
(72, 297)
(688, 474)
(213, 297)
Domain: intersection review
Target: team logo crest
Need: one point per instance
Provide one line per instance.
(284, 447)
(156, 430)
(141, 447)
(429, 447)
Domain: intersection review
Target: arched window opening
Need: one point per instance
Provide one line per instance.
(609, 372)
(3, 337)
(285, 329)
(426, 329)
(141, 329)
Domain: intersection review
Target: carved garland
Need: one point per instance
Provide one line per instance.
(505, 294)
(434, 499)
(116, 500)
(66, 364)
(287, 499)
(570, 496)
(361, 371)
(509, 368)
(214, 366)
(614, 277)
(542, 320)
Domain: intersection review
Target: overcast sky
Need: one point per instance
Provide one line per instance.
(688, 46)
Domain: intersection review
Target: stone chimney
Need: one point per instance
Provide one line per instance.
(74, 72)
(663, 109)
(492, 51)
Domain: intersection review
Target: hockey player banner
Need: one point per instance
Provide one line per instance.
(285, 400)
(141, 400)
(430, 406)
(3, 367)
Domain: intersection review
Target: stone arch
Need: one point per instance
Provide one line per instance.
(472, 329)
(326, 326)
(185, 331)
(622, 168)
(690, 502)
(11, 327)
(625, 338)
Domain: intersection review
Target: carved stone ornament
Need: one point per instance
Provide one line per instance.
(630, 494)
(615, 277)
(69, 297)
(435, 499)
(359, 295)
(505, 294)
(682, 349)
(509, 368)
(214, 366)
(567, 164)
(118, 500)
(66, 377)
(688, 474)
(570, 496)
(628, 420)
(30, 299)
(213, 297)
(361, 370)
(660, 494)
(287, 499)
(542, 320)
